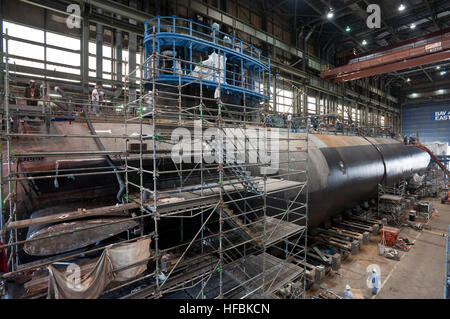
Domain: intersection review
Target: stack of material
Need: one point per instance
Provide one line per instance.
(393, 204)
(389, 235)
(328, 294)
(424, 209)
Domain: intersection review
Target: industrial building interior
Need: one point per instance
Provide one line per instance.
(225, 149)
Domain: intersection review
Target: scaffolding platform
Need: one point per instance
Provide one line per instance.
(272, 185)
(276, 229)
(277, 273)
(244, 278)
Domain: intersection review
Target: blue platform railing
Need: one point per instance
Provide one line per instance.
(175, 24)
(243, 72)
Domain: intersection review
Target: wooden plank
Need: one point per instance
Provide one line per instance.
(317, 250)
(80, 213)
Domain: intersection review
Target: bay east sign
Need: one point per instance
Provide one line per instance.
(441, 116)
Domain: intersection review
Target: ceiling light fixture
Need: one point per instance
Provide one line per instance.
(330, 14)
(443, 72)
(401, 7)
(408, 80)
(348, 29)
(412, 26)
(364, 42)
(438, 67)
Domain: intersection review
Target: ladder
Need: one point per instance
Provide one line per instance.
(240, 173)
(238, 222)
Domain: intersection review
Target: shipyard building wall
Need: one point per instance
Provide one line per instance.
(430, 120)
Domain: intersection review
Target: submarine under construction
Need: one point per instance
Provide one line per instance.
(184, 189)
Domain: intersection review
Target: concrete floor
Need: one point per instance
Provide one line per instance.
(418, 274)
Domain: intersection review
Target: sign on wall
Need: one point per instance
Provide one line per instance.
(441, 116)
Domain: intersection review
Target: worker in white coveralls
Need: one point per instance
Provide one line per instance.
(148, 103)
(374, 281)
(215, 29)
(95, 98)
(347, 293)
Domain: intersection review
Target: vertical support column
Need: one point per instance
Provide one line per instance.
(366, 116)
(12, 215)
(2, 67)
(305, 100)
(447, 267)
(155, 166)
(157, 7)
(6, 107)
(318, 103)
(275, 88)
(296, 106)
(221, 177)
(350, 113)
(99, 51)
(333, 105)
(146, 6)
(132, 37)
(84, 56)
(118, 38)
(391, 122)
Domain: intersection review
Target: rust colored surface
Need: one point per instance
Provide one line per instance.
(390, 58)
(342, 141)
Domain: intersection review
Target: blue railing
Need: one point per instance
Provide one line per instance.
(175, 37)
(189, 27)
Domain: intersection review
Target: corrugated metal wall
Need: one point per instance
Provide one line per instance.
(431, 121)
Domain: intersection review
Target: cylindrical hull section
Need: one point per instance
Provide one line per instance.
(344, 171)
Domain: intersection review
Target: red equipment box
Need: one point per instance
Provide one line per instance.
(390, 235)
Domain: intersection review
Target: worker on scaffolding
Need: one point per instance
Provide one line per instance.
(347, 293)
(148, 103)
(315, 123)
(32, 93)
(268, 120)
(215, 29)
(101, 99)
(339, 126)
(95, 99)
(289, 120)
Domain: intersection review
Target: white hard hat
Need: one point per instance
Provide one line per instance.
(347, 287)
(374, 270)
(215, 26)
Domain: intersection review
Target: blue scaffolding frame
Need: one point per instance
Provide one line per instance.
(245, 72)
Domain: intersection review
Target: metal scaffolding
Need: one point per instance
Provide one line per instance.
(238, 223)
(241, 223)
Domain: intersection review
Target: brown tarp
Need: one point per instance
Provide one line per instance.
(62, 284)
